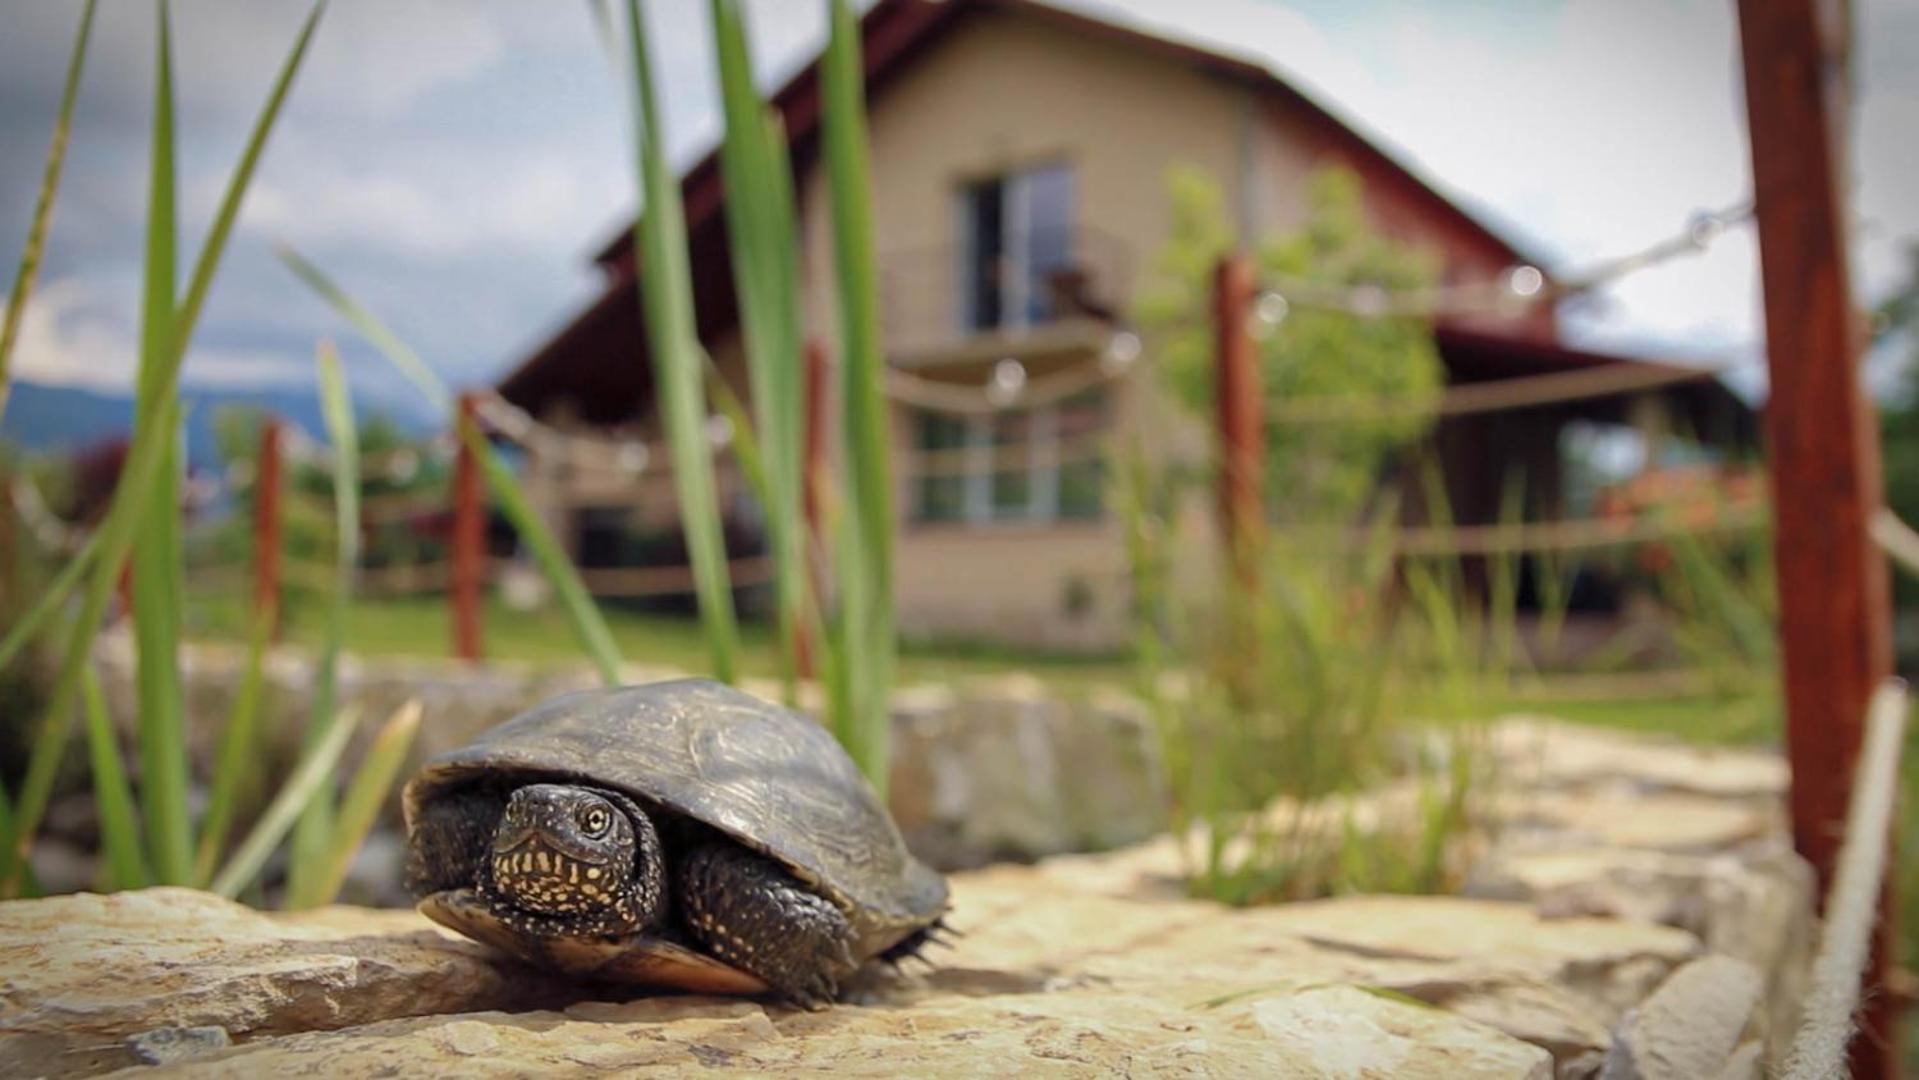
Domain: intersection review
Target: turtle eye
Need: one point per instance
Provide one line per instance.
(595, 820)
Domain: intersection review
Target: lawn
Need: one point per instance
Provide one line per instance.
(418, 626)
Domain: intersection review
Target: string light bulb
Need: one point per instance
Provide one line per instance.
(1009, 378)
(1121, 353)
(1271, 308)
(1704, 228)
(632, 457)
(1525, 280)
(719, 430)
(404, 465)
(1370, 301)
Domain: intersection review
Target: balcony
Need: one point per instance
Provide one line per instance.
(1062, 291)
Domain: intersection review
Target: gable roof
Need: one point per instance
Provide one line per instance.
(893, 33)
(893, 30)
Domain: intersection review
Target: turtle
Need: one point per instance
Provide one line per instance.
(681, 835)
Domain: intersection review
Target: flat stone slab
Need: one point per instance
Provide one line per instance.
(1048, 979)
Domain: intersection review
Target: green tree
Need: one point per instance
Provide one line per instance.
(1316, 471)
(1898, 321)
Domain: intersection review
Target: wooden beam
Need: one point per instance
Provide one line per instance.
(269, 483)
(1834, 603)
(1242, 431)
(469, 539)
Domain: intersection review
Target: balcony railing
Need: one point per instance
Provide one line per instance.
(934, 300)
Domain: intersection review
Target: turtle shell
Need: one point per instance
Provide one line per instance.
(769, 777)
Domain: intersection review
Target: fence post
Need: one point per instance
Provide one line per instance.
(817, 388)
(467, 572)
(1242, 435)
(1834, 598)
(269, 476)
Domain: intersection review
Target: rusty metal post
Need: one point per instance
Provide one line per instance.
(1834, 598)
(269, 478)
(817, 388)
(468, 571)
(1242, 433)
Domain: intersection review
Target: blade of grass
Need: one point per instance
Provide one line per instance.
(585, 616)
(43, 759)
(237, 745)
(397, 351)
(759, 218)
(866, 582)
(666, 295)
(310, 776)
(50, 599)
(315, 827)
(364, 797)
(161, 741)
(112, 797)
(29, 266)
(130, 499)
(588, 624)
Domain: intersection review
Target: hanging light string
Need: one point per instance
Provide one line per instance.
(1518, 288)
(1009, 386)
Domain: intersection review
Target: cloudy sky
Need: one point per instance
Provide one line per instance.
(453, 163)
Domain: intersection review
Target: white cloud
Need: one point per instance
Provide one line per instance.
(73, 335)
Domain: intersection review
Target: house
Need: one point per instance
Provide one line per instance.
(1019, 156)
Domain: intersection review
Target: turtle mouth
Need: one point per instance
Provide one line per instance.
(513, 837)
(539, 877)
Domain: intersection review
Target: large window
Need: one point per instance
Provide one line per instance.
(1016, 234)
(1035, 465)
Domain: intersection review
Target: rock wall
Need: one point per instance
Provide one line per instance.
(988, 770)
(1637, 915)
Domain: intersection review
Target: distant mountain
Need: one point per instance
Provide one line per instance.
(47, 419)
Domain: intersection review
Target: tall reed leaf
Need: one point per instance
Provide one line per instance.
(312, 775)
(112, 797)
(361, 803)
(760, 231)
(585, 616)
(138, 474)
(666, 296)
(49, 600)
(310, 836)
(377, 333)
(156, 559)
(115, 535)
(234, 759)
(866, 545)
(587, 622)
(29, 266)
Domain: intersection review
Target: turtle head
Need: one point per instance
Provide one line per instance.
(572, 859)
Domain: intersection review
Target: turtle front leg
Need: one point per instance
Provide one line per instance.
(747, 910)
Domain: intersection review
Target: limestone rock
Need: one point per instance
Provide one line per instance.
(80, 974)
(1692, 1026)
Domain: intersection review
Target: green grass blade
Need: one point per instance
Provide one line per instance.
(234, 759)
(161, 727)
(115, 535)
(112, 797)
(402, 356)
(760, 228)
(585, 616)
(867, 543)
(142, 463)
(49, 600)
(36, 246)
(666, 296)
(315, 827)
(313, 774)
(364, 796)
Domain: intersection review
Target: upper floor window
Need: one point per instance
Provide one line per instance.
(1016, 236)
